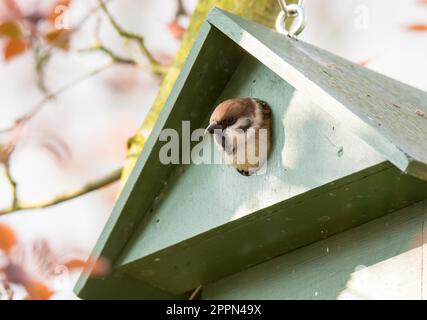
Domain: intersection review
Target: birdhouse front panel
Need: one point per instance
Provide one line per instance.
(309, 149)
(193, 222)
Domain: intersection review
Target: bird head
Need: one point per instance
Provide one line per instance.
(233, 114)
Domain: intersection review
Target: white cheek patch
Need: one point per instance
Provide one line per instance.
(245, 144)
(259, 117)
(241, 123)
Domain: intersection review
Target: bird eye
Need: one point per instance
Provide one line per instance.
(231, 120)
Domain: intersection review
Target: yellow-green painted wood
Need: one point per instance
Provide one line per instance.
(382, 259)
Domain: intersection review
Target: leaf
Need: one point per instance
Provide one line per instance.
(176, 30)
(14, 48)
(37, 291)
(10, 29)
(59, 38)
(100, 267)
(7, 239)
(13, 7)
(418, 27)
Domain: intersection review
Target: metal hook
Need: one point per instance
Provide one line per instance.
(283, 4)
(291, 10)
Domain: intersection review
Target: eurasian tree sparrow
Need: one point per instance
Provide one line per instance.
(242, 131)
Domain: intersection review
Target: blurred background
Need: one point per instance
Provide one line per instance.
(68, 112)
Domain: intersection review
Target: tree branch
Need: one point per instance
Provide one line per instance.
(260, 11)
(43, 55)
(39, 106)
(12, 183)
(111, 54)
(180, 11)
(7, 290)
(88, 188)
(158, 70)
(155, 66)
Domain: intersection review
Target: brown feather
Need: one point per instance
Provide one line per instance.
(233, 108)
(244, 108)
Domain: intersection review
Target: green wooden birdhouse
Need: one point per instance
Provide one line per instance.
(348, 146)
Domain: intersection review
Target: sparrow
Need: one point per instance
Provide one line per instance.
(242, 131)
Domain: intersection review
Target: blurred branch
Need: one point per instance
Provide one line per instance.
(180, 11)
(88, 188)
(13, 185)
(39, 106)
(111, 54)
(78, 26)
(261, 11)
(7, 290)
(158, 69)
(41, 59)
(42, 56)
(155, 66)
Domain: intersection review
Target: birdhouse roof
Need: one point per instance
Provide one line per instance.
(388, 115)
(166, 257)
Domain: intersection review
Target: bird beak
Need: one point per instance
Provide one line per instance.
(212, 127)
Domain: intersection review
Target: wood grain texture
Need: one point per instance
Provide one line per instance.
(382, 259)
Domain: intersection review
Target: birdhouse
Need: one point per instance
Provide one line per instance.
(348, 150)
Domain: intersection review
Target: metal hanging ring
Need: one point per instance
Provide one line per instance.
(284, 5)
(292, 10)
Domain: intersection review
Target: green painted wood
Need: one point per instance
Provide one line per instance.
(162, 209)
(149, 175)
(278, 229)
(382, 259)
(199, 198)
(363, 100)
(122, 286)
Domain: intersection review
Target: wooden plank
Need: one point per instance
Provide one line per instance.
(378, 260)
(383, 112)
(122, 286)
(283, 227)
